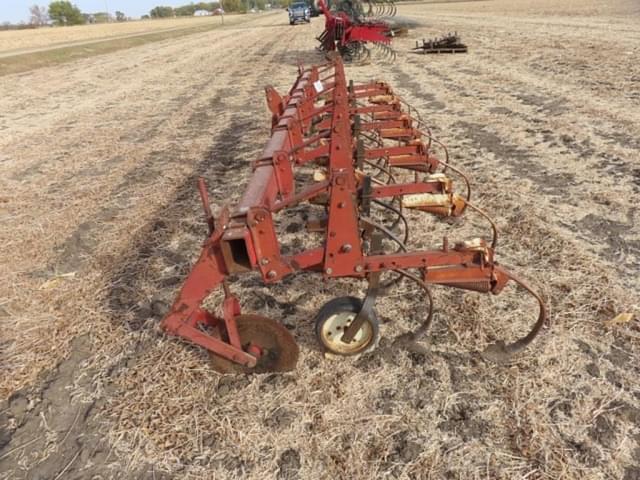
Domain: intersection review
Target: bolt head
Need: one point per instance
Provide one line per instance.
(264, 261)
(359, 268)
(271, 274)
(329, 271)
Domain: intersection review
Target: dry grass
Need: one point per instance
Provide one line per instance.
(49, 37)
(103, 188)
(63, 54)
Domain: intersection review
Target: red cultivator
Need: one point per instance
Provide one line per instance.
(349, 29)
(361, 158)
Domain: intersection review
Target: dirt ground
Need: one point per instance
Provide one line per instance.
(101, 221)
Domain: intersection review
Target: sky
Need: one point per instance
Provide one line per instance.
(18, 10)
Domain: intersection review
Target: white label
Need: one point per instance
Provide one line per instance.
(318, 86)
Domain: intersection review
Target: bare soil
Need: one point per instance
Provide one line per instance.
(101, 221)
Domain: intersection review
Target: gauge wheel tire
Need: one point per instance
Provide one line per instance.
(338, 314)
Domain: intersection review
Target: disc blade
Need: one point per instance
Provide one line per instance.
(279, 349)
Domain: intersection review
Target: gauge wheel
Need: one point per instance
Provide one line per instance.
(332, 320)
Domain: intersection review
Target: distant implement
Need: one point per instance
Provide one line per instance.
(351, 30)
(447, 44)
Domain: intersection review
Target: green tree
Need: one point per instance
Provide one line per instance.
(185, 10)
(209, 6)
(120, 16)
(233, 6)
(64, 13)
(161, 12)
(101, 17)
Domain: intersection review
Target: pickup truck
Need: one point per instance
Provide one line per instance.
(299, 12)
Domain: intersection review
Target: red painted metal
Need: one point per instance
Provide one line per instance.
(318, 123)
(348, 34)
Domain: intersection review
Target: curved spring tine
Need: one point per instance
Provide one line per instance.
(385, 164)
(370, 10)
(374, 47)
(357, 53)
(385, 51)
(417, 116)
(366, 56)
(379, 10)
(494, 241)
(383, 8)
(375, 140)
(500, 352)
(392, 54)
(401, 217)
(424, 327)
(445, 150)
(401, 246)
(392, 236)
(465, 179)
(382, 170)
(389, 8)
(389, 53)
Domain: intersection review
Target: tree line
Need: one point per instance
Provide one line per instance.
(63, 13)
(183, 11)
(238, 6)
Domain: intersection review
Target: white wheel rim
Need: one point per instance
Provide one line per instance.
(333, 328)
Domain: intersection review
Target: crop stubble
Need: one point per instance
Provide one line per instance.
(102, 222)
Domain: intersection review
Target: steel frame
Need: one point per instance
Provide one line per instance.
(322, 121)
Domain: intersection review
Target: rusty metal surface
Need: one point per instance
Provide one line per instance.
(277, 350)
(370, 152)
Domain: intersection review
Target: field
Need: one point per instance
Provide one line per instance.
(18, 40)
(101, 221)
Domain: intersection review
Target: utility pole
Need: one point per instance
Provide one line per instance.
(106, 6)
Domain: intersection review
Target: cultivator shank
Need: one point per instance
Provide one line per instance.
(362, 156)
